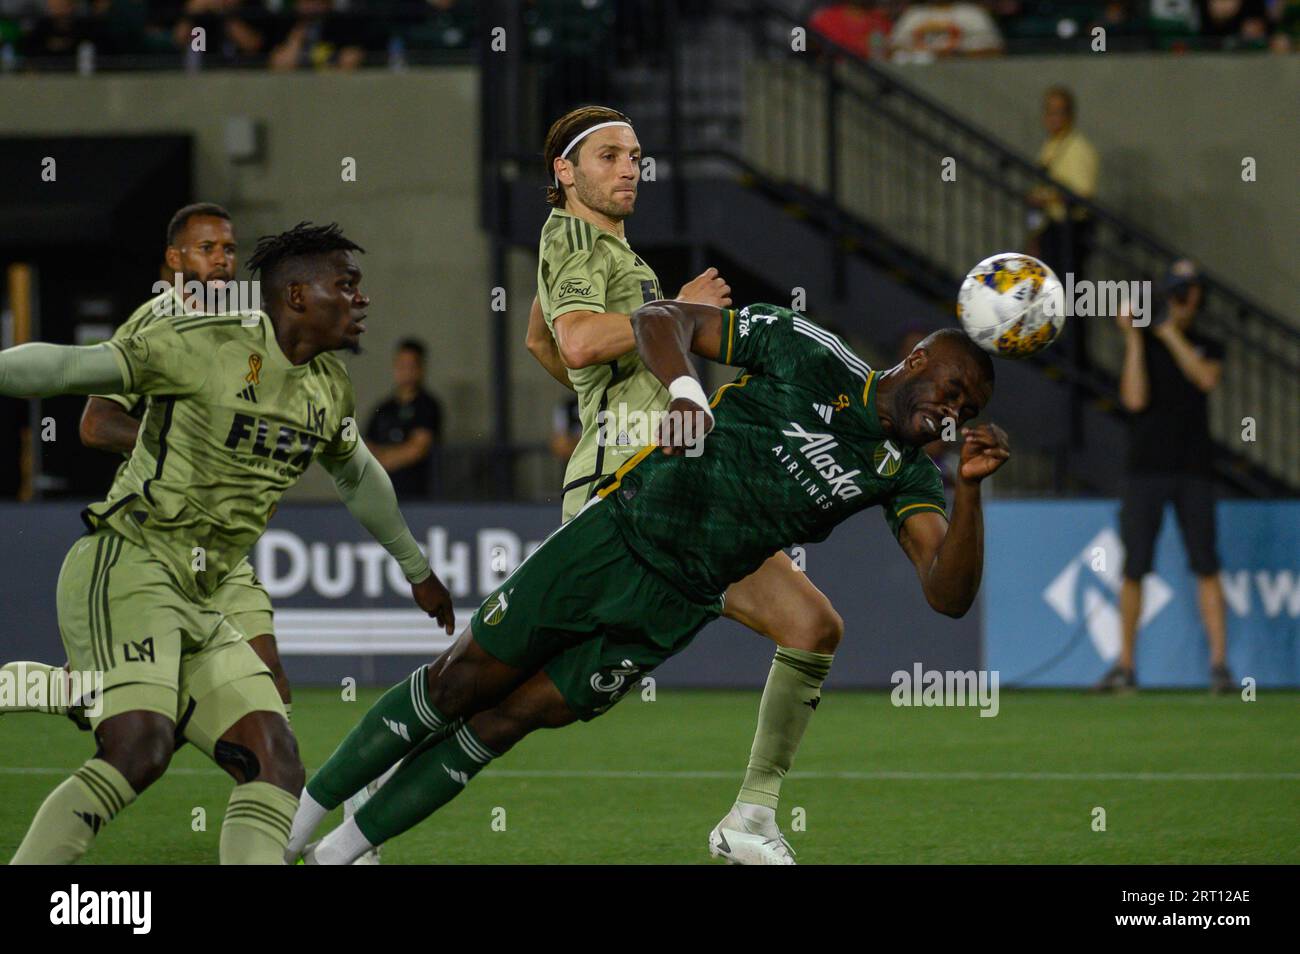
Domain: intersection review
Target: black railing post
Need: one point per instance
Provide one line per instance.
(673, 99)
(839, 266)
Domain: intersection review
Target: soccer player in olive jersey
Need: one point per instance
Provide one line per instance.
(239, 407)
(589, 282)
(201, 248)
(634, 576)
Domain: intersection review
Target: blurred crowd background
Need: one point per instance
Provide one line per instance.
(89, 35)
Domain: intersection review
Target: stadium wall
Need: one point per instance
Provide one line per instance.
(1046, 615)
(1175, 170)
(414, 205)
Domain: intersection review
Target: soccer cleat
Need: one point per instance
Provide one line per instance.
(1117, 679)
(1221, 680)
(741, 842)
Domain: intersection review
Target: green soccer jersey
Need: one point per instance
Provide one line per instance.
(231, 425)
(582, 268)
(160, 307)
(796, 448)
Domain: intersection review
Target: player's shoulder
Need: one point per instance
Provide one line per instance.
(565, 235)
(156, 309)
(331, 366)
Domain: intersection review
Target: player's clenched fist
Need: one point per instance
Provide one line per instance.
(432, 597)
(984, 449)
(707, 288)
(683, 426)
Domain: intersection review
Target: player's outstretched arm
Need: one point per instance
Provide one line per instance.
(368, 494)
(44, 370)
(949, 556)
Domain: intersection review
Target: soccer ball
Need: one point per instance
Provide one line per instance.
(1011, 305)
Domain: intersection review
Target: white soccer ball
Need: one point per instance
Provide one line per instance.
(1011, 305)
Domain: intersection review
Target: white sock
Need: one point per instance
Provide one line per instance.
(305, 820)
(758, 818)
(343, 845)
(354, 804)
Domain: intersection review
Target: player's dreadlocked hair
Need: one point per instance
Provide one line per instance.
(273, 252)
(561, 134)
(963, 343)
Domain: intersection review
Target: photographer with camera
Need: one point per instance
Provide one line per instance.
(1169, 371)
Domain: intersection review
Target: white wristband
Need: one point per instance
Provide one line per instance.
(688, 387)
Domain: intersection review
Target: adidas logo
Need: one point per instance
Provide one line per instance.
(248, 394)
(94, 821)
(456, 776)
(399, 728)
(824, 411)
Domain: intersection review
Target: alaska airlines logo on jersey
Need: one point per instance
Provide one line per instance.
(887, 459)
(746, 318)
(572, 287)
(816, 448)
(292, 447)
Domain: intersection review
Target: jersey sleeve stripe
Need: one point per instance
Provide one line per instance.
(124, 365)
(730, 314)
(917, 506)
(848, 358)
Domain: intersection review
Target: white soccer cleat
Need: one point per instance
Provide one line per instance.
(741, 841)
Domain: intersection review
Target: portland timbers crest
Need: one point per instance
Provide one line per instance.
(494, 610)
(887, 459)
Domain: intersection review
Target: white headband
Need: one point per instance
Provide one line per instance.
(583, 135)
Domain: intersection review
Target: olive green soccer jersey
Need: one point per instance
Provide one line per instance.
(796, 449)
(231, 425)
(582, 268)
(160, 307)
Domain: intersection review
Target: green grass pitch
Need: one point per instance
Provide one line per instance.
(1183, 778)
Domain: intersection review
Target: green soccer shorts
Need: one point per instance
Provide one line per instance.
(122, 615)
(585, 610)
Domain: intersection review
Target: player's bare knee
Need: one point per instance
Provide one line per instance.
(137, 744)
(260, 747)
(819, 631)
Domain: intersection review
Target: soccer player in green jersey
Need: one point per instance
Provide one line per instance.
(239, 407)
(202, 251)
(630, 580)
(589, 282)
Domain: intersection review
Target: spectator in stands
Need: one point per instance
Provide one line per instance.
(227, 37)
(1235, 22)
(59, 31)
(943, 29)
(1286, 34)
(405, 431)
(861, 27)
(1060, 235)
(317, 41)
(1169, 371)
